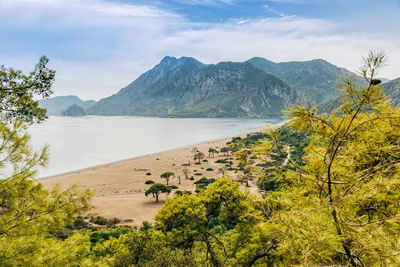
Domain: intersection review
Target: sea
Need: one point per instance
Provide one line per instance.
(81, 142)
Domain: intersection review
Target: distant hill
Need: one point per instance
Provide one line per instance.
(74, 111)
(392, 90)
(58, 104)
(391, 87)
(317, 80)
(185, 87)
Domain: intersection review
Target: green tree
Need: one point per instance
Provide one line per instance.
(156, 190)
(224, 150)
(342, 206)
(18, 92)
(212, 151)
(167, 175)
(31, 217)
(182, 219)
(145, 247)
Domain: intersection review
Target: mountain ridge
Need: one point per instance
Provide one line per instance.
(185, 87)
(317, 79)
(56, 105)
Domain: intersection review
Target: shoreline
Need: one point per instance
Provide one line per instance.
(276, 125)
(119, 186)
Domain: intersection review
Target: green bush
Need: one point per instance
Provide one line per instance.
(209, 169)
(148, 174)
(101, 236)
(145, 226)
(205, 181)
(149, 182)
(172, 187)
(98, 220)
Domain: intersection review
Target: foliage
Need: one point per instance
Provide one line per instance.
(99, 237)
(204, 180)
(99, 220)
(156, 190)
(149, 182)
(199, 156)
(19, 91)
(31, 217)
(340, 207)
(167, 175)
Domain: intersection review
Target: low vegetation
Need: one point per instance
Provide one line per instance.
(332, 197)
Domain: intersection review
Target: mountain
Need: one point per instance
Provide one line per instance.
(391, 88)
(317, 80)
(58, 104)
(74, 111)
(185, 87)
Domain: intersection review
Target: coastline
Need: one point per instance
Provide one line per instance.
(119, 186)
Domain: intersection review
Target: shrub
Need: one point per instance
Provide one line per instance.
(205, 181)
(80, 223)
(148, 174)
(98, 220)
(149, 182)
(172, 187)
(205, 160)
(191, 178)
(221, 161)
(101, 236)
(209, 169)
(198, 174)
(197, 163)
(145, 226)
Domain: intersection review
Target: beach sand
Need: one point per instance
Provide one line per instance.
(119, 186)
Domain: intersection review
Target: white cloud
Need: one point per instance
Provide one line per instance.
(103, 46)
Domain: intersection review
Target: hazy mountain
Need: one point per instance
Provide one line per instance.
(317, 80)
(58, 104)
(392, 90)
(187, 88)
(74, 111)
(391, 87)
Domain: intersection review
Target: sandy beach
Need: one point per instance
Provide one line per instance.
(119, 186)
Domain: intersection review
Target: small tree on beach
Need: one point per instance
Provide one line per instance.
(222, 170)
(156, 190)
(212, 151)
(167, 175)
(199, 156)
(194, 150)
(224, 150)
(186, 173)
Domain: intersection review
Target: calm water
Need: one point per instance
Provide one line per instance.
(82, 142)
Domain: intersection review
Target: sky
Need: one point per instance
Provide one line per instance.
(98, 47)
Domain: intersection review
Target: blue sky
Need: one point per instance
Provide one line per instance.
(99, 46)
